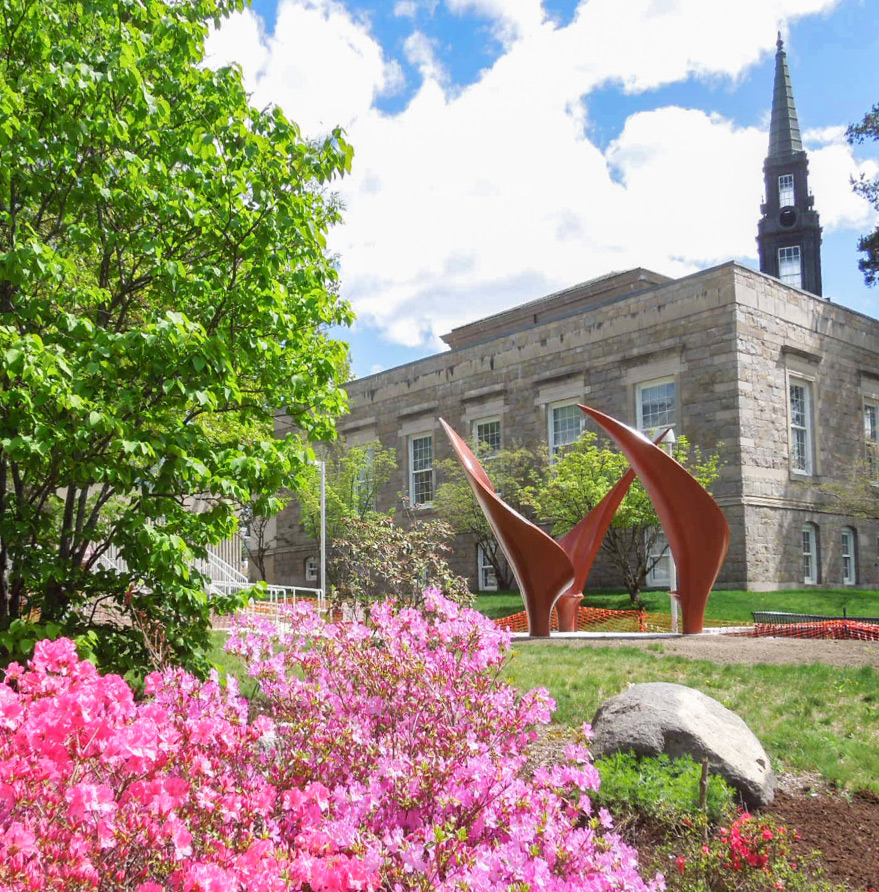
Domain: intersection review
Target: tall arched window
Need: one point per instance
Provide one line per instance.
(810, 554)
(849, 556)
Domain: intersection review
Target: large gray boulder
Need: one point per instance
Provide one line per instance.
(649, 719)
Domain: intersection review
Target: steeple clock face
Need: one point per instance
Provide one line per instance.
(787, 217)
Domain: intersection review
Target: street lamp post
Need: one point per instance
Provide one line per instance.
(323, 532)
(321, 463)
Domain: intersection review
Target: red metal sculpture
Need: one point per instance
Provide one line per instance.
(697, 531)
(542, 568)
(549, 573)
(553, 574)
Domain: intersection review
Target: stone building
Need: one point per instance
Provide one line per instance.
(784, 384)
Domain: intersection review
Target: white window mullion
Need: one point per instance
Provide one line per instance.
(565, 425)
(421, 470)
(655, 403)
(485, 570)
(801, 434)
(790, 269)
(487, 436)
(871, 438)
(849, 570)
(810, 574)
(786, 190)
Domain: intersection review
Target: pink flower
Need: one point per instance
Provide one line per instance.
(54, 656)
(92, 799)
(204, 877)
(18, 840)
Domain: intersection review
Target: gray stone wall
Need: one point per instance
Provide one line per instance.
(729, 336)
(782, 333)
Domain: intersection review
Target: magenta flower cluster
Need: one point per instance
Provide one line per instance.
(390, 755)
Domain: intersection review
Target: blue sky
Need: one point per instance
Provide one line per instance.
(508, 148)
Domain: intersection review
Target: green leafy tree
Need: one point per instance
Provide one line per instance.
(162, 264)
(856, 491)
(514, 473)
(868, 128)
(355, 476)
(580, 479)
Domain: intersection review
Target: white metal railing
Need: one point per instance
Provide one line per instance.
(219, 570)
(277, 595)
(112, 560)
(224, 579)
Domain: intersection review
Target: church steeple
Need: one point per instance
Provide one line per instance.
(784, 127)
(789, 232)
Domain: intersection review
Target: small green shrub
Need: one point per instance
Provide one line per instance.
(661, 789)
(377, 559)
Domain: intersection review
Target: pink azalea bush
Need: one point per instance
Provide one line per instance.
(391, 756)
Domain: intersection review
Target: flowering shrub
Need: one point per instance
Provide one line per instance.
(375, 559)
(392, 757)
(753, 854)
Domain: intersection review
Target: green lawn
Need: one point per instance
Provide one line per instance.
(729, 606)
(809, 718)
(229, 664)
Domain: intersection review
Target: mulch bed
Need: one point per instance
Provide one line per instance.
(845, 832)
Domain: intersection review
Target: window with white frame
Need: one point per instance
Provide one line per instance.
(801, 439)
(485, 571)
(871, 437)
(311, 569)
(421, 469)
(849, 557)
(810, 554)
(790, 270)
(565, 425)
(655, 404)
(487, 435)
(660, 557)
(786, 190)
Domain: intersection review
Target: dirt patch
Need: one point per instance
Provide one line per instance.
(727, 649)
(845, 831)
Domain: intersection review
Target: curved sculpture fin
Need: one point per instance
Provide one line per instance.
(542, 568)
(697, 531)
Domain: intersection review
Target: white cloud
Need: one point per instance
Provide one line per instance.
(830, 171)
(822, 136)
(242, 39)
(697, 170)
(420, 51)
(513, 18)
(320, 64)
(406, 9)
(472, 199)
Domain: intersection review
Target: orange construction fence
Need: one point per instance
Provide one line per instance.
(592, 619)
